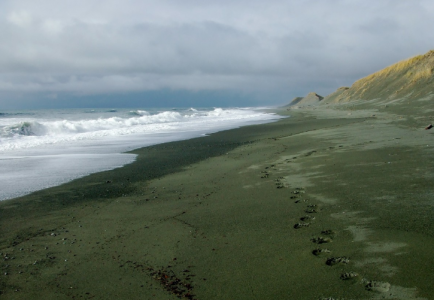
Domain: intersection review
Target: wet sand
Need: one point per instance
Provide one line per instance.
(219, 217)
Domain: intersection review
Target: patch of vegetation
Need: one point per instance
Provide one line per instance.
(399, 67)
(423, 74)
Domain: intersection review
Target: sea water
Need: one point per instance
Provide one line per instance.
(45, 148)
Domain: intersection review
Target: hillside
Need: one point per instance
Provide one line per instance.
(311, 99)
(293, 102)
(408, 79)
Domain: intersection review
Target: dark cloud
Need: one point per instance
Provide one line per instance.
(245, 47)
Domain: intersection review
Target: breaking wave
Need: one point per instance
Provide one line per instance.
(36, 132)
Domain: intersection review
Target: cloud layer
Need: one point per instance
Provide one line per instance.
(93, 47)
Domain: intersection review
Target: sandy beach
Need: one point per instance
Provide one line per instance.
(334, 202)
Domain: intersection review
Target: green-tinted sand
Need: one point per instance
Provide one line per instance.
(213, 218)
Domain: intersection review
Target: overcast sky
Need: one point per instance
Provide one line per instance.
(142, 53)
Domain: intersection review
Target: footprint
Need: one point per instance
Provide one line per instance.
(337, 260)
(378, 286)
(307, 218)
(310, 153)
(349, 276)
(320, 251)
(298, 191)
(301, 225)
(329, 232)
(321, 240)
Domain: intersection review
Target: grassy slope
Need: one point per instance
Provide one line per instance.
(411, 78)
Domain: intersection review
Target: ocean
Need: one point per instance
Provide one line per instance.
(45, 148)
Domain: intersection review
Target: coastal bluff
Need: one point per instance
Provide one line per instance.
(410, 79)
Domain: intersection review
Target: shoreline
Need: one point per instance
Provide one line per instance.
(35, 169)
(216, 216)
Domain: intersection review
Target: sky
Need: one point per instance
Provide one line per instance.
(142, 53)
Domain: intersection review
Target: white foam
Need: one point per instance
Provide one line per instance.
(31, 133)
(44, 149)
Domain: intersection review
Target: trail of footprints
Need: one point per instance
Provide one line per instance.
(311, 210)
(327, 237)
